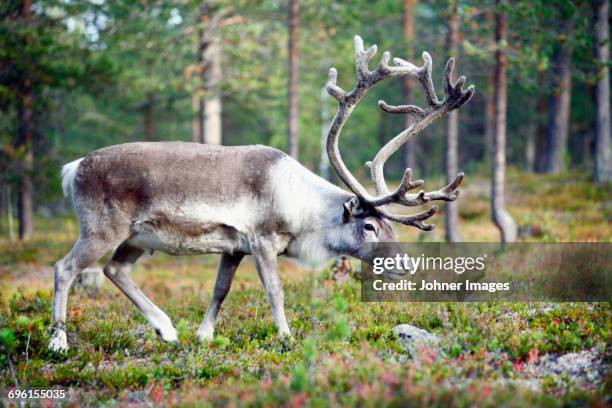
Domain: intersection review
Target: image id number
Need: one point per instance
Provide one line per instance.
(35, 393)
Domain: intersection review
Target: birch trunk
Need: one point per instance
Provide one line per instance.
(502, 219)
(451, 214)
(292, 124)
(197, 107)
(212, 132)
(408, 150)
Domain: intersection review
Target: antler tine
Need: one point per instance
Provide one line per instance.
(454, 95)
(363, 57)
(448, 192)
(449, 70)
(424, 77)
(399, 195)
(403, 63)
(333, 89)
(415, 220)
(410, 109)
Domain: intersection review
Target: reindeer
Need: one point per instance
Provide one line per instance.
(184, 198)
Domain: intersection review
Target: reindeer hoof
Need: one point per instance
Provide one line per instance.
(286, 335)
(205, 334)
(58, 342)
(167, 334)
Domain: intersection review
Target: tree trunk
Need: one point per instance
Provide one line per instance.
(558, 121)
(541, 147)
(148, 116)
(489, 117)
(489, 113)
(530, 150)
(325, 123)
(2, 187)
(502, 219)
(531, 130)
(9, 214)
(408, 150)
(24, 144)
(587, 149)
(603, 145)
(196, 122)
(197, 105)
(292, 124)
(212, 98)
(451, 214)
(25, 138)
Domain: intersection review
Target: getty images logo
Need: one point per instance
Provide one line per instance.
(412, 264)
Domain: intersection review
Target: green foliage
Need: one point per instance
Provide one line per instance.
(221, 342)
(96, 67)
(7, 341)
(299, 378)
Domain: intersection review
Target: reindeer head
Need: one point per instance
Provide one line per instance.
(365, 215)
(365, 223)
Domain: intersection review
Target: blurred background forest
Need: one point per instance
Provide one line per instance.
(77, 75)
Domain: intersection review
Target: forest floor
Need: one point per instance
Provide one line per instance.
(344, 351)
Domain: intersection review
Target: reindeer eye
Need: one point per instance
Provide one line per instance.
(369, 227)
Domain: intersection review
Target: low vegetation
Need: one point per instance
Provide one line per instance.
(344, 351)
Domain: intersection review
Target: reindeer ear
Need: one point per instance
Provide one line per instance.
(351, 208)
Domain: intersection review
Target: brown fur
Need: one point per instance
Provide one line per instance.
(124, 180)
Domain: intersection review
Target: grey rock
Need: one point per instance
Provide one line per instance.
(585, 364)
(90, 279)
(584, 369)
(413, 338)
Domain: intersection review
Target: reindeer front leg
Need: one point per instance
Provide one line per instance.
(265, 254)
(225, 275)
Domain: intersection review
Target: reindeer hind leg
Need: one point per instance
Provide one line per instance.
(87, 250)
(118, 270)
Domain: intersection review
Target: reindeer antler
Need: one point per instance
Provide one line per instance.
(454, 97)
